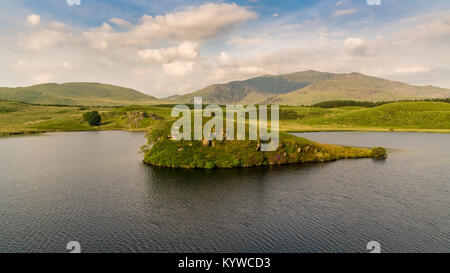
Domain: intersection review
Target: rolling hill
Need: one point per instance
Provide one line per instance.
(301, 88)
(355, 86)
(309, 87)
(76, 94)
(255, 90)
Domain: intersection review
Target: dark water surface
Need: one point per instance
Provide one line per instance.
(92, 187)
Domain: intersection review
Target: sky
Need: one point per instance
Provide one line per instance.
(169, 47)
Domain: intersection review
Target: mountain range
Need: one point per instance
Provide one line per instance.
(301, 88)
(310, 87)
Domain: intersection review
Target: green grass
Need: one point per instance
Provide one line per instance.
(22, 118)
(164, 152)
(402, 116)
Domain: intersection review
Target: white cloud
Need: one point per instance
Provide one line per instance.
(357, 46)
(52, 35)
(120, 22)
(161, 54)
(186, 51)
(33, 19)
(178, 68)
(224, 59)
(342, 12)
(241, 41)
(229, 68)
(193, 24)
(197, 23)
(42, 78)
(411, 70)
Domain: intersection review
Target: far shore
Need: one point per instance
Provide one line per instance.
(305, 130)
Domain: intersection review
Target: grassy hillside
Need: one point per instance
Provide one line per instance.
(301, 88)
(164, 152)
(356, 86)
(76, 94)
(310, 87)
(403, 116)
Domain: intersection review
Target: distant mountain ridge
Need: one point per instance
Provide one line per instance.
(300, 88)
(310, 87)
(81, 93)
(254, 90)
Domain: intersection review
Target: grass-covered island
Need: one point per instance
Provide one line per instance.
(164, 152)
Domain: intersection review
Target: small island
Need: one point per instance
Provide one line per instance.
(162, 151)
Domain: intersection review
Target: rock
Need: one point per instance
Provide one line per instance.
(205, 142)
(155, 117)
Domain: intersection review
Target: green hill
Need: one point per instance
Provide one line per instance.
(402, 116)
(256, 90)
(355, 86)
(406, 115)
(76, 94)
(310, 87)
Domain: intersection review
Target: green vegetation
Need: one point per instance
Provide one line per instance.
(23, 118)
(379, 152)
(93, 118)
(164, 152)
(76, 94)
(345, 103)
(398, 116)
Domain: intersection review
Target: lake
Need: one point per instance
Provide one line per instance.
(92, 187)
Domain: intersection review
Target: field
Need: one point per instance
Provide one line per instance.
(399, 116)
(23, 118)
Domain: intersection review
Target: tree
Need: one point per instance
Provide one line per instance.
(93, 118)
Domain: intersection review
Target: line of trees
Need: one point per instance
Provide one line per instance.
(344, 103)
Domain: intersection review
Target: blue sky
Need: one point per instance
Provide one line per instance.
(173, 46)
(94, 12)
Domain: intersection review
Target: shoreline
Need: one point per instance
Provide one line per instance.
(367, 130)
(306, 130)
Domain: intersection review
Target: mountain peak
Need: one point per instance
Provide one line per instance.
(309, 87)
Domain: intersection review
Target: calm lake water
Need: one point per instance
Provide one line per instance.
(92, 187)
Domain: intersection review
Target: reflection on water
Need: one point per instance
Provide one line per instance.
(92, 187)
